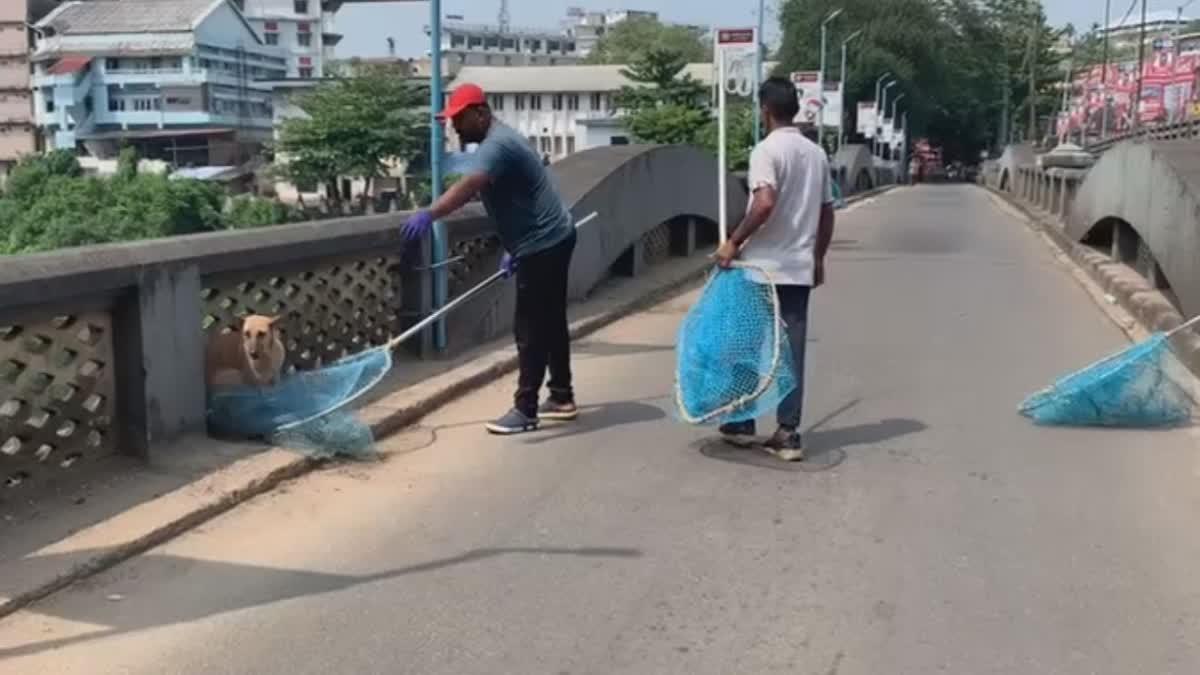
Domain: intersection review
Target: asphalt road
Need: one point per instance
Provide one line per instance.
(934, 531)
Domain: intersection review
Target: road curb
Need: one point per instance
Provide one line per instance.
(1146, 305)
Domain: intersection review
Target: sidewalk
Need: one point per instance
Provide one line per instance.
(121, 507)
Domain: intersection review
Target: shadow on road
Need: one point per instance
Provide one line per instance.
(594, 418)
(596, 349)
(233, 587)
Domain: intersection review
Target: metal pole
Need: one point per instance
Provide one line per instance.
(758, 50)
(1137, 99)
(722, 216)
(436, 150)
(1035, 20)
(883, 111)
(842, 95)
(1104, 72)
(821, 77)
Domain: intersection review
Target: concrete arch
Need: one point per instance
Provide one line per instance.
(643, 195)
(1144, 198)
(855, 168)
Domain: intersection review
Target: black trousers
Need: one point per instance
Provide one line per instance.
(543, 337)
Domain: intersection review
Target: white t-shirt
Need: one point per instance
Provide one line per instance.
(798, 171)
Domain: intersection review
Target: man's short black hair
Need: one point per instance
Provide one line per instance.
(778, 96)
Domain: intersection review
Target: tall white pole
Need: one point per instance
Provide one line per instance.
(758, 50)
(722, 216)
(842, 95)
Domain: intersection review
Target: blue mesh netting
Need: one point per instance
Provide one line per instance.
(1134, 388)
(306, 410)
(733, 362)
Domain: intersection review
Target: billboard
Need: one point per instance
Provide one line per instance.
(817, 107)
(866, 122)
(807, 85)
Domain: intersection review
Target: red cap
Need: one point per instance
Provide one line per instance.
(464, 96)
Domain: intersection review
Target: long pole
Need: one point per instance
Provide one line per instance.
(1104, 72)
(895, 103)
(1137, 99)
(722, 216)
(821, 81)
(758, 50)
(1034, 29)
(875, 134)
(436, 150)
(842, 95)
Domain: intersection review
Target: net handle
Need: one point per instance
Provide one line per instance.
(450, 306)
(1184, 326)
(767, 381)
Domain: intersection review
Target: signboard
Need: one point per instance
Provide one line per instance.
(833, 104)
(888, 132)
(735, 38)
(866, 118)
(807, 85)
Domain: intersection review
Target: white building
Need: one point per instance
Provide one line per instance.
(1159, 24)
(468, 44)
(564, 109)
(588, 27)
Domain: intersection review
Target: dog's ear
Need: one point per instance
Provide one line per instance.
(275, 324)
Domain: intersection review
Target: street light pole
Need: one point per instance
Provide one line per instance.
(758, 50)
(821, 77)
(892, 151)
(436, 148)
(1137, 99)
(842, 91)
(1104, 72)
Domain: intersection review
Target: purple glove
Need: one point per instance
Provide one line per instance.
(508, 265)
(418, 225)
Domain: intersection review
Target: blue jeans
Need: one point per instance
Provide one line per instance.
(793, 309)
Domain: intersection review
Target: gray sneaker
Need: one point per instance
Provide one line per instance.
(740, 434)
(513, 422)
(786, 444)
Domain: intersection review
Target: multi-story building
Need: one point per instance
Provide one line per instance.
(17, 136)
(304, 29)
(1124, 34)
(564, 109)
(589, 27)
(470, 44)
(177, 79)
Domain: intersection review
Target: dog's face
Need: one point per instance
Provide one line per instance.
(258, 335)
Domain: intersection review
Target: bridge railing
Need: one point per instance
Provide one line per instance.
(102, 347)
(1158, 132)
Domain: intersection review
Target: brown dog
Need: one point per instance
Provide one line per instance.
(253, 358)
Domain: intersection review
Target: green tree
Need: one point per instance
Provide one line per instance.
(354, 128)
(629, 40)
(739, 135)
(664, 105)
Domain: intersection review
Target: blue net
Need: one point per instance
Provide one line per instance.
(1138, 387)
(733, 361)
(307, 411)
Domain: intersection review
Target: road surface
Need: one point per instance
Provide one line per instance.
(934, 531)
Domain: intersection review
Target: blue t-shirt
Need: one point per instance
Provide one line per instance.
(520, 196)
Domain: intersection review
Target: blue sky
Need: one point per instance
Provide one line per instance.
(367, 26)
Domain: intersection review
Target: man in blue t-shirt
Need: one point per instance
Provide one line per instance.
(535, 230)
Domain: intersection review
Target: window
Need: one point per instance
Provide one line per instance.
(271, 26)
(116, 105)
(557, 102)
(306, 73)
(496, 101)
(112, 64)
(573, 102)
(519, 102)
(558, 145)
(271, 38)
(597, 101)
(301, 6)
(304, 39)
(545, 144)
(570, 145)
(535, 102)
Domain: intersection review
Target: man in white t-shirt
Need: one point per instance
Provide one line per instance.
(786, 231)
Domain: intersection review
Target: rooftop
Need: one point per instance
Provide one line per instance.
(99, 17)
(1156, 17)
(551, 79)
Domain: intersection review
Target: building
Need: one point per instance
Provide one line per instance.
(564, 109)
(589, 27)
(1159, 24)
(469, 44)
(304, 29)
(17, 137)
(177, 79)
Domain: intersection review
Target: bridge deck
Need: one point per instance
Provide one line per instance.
(954, 537)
